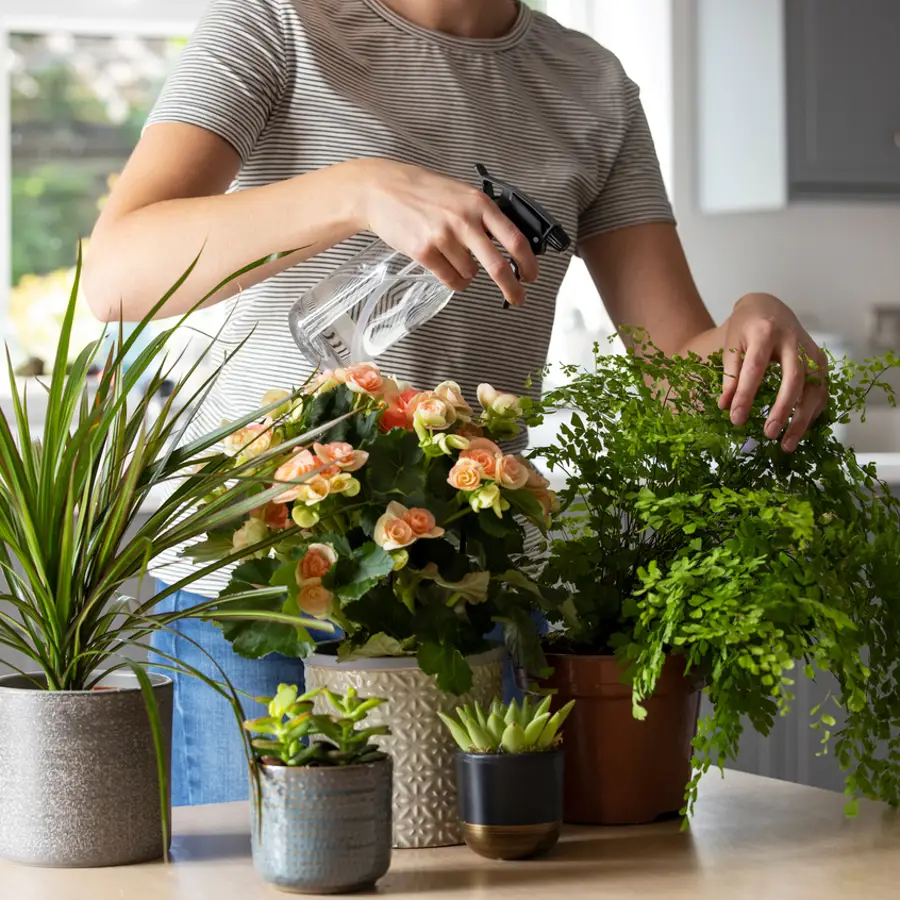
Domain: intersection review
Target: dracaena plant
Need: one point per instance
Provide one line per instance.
(70, 499)
(291, 734)
(687, 535)
(529, 728)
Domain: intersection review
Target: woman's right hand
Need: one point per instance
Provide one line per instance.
(444, 224)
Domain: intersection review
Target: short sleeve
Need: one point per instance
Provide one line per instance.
(634, 192)
(231, 74)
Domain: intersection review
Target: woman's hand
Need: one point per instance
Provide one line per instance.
(762, 330)
(444, 224)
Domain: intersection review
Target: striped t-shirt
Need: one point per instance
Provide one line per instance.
(297, 85)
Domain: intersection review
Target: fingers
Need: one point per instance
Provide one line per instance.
(515, 243)
(438, 262)
(461, 259)
(731, 360)
(496, 265)
(793, 382)
(812, 403)
(749, 377)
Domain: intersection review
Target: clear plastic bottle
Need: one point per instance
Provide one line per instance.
(381, 295)
(368, 304)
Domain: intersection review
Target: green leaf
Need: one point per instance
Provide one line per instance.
(161, 751)
(448, 666)
(534, 728)
(529, 506)
(395, 466)
(378, 645)
(460, 734)
(495, 727)
(851, 808)
(481, 740)
(218, 543)
(354, 575)
(257, 639)
(253, 573)
(513, 740)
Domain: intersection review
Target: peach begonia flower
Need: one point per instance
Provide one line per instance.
(315, 600)
(249, 442)
(431, 412)
(316, 563)
(503, 405)
(363, 378)
(301, 463)
(251, 532)
(485, 452)
(275, 515)
(450, 392)
(341, 456)
(399, 527)
(397, 413)
(511, 473)
(314, 490)
(466, 475)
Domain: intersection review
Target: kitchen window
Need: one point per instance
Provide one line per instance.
(77, 106)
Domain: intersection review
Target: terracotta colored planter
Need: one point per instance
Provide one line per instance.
(621, 771)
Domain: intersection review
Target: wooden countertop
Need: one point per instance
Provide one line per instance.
(752, 838)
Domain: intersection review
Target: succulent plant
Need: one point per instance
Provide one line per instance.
(293, 735)
(529, 728)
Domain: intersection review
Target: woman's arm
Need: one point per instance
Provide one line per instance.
(169, 205)
(645, 281)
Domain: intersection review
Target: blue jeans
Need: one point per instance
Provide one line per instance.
(208, 761)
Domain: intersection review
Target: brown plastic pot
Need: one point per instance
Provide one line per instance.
(619, 770)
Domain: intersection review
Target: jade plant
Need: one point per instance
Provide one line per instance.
(686, 535)
(529, 728)
(293, 735)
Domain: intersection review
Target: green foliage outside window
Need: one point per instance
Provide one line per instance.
(77, 107)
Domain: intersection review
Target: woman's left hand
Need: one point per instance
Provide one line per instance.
(762, 330)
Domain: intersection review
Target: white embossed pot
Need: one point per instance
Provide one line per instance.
(425, 813)
(78, 773)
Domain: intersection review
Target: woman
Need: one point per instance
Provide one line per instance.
(330, 118)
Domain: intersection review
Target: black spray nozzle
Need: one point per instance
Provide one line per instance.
(541, 229)
(538, 226)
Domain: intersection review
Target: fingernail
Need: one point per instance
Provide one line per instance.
(738, 415)
(773, 429)
(789, 445)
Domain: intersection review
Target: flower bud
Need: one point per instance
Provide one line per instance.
(305, 517)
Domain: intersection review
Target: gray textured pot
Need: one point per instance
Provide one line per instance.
(323, 830)
(420, 745)
(78, 773)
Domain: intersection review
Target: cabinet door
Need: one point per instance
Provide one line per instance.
(843, 74)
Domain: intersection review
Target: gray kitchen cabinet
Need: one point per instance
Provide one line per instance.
(796, 99)
(843, 97)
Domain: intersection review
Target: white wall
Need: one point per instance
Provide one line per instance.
(830, 261)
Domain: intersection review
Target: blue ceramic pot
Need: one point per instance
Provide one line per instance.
(324, 830)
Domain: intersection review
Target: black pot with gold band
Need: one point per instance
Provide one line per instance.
(510, 804)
